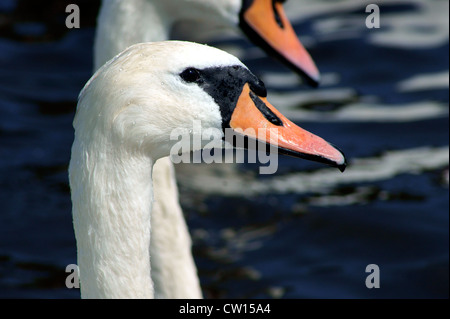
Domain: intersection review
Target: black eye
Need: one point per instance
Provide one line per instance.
(190, 75)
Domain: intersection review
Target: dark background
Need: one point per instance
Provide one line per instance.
(254, 238)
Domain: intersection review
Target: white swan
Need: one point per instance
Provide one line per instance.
(124, 119)
(123, 23)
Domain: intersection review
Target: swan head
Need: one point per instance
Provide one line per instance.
(264, 22)
(137, 99)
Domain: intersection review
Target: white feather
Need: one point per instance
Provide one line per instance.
(124, 118)
(124, 23)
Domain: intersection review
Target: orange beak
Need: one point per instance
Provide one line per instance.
(253, 113)
(265, 23)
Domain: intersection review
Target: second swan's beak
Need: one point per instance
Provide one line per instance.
(266, 24)
(253, 113)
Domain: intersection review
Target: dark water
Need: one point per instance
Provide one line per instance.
(308, 231)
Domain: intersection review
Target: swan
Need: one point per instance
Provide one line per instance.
(124, 23)
(123, 123)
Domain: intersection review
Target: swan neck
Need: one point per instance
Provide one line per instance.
(112, 199)
(124, 23)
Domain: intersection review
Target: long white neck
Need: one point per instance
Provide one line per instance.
(112, 200)
(120, 24)
(124, 23)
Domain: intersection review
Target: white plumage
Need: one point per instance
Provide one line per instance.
(124, 23)
(123, 123)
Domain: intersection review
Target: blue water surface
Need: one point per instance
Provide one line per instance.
(270, 244)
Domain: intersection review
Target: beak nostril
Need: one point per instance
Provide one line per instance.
(258, 88)
(268, 114)
(277, 13)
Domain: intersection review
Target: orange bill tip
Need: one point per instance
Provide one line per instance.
(267, 19)
(253, 114)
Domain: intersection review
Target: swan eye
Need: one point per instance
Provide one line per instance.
(190, 75)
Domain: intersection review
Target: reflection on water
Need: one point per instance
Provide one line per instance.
(308, 231)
